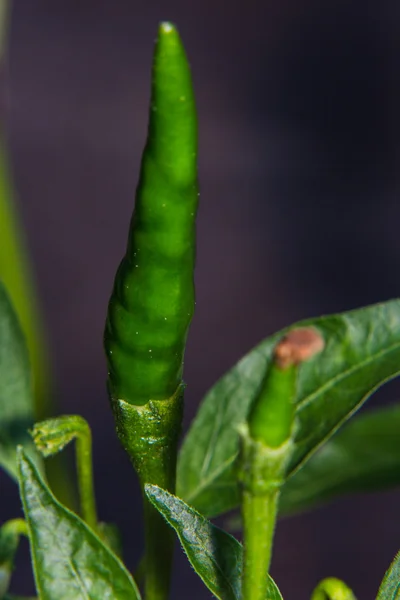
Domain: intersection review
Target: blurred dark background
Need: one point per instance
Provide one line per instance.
(299, 214)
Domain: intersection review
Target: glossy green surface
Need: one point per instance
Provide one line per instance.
(215, 555)
(69, 560)
(153, 298)
(362, 351)
(16, 395)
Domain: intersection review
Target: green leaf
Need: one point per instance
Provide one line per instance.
(390, 586)
(363, 457)
(362, 351)
(215, 555)
(16, 398)
(69, 560)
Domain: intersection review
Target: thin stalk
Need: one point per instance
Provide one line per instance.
(84, 466)
(159, 537)
(259, 519)
(261, 475)
(16, 527)
(52, 436)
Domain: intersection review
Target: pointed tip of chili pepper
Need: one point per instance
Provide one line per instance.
(167, 27)
(168, 37)
(173, 119)
(169, 41)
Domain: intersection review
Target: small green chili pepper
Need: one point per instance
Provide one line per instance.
(153, 298)
(271, 418)
(266, 448)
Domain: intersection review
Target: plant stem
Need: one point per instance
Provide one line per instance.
(159, 549)
(84, 466)
(261, 474)
(16, 526)
(259, 518)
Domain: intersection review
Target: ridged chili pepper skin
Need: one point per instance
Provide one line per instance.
(153, 298)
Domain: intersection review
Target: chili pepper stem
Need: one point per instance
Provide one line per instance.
(159, 547)
(261, 475)
(84, 466)
(259, 518)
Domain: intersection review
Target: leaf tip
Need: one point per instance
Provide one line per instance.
(151, 490)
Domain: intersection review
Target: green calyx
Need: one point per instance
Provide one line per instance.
(262, 468)
(152, 303)
(150, 435)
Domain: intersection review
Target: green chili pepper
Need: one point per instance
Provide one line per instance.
(153, 298)
(266, 448)
(271, 418)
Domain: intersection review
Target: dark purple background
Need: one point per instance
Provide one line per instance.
(299, 147)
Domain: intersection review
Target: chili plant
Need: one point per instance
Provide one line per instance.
(261, 441)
